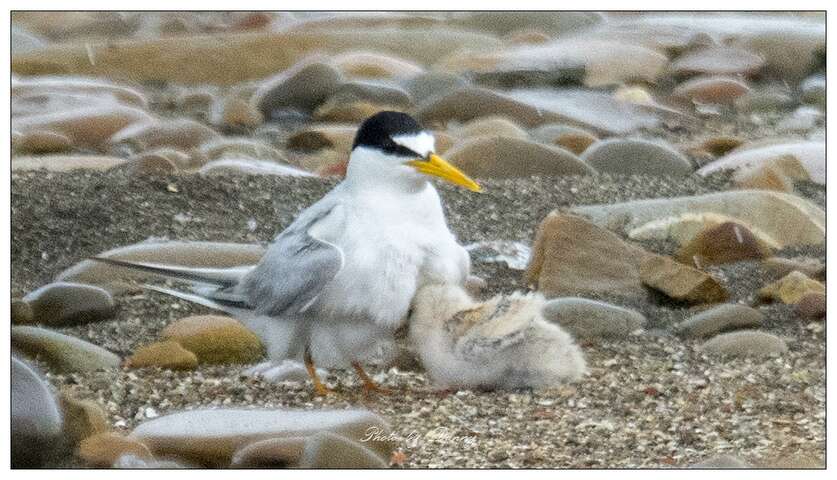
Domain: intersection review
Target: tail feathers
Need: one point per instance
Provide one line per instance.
(221, 277)
(228, 306)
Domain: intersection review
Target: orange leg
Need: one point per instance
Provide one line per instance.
(368, 384)
(319, 387)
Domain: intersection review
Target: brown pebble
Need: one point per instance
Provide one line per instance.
(719, 146)
(791, 288)
(681, 282)
(779, 267)
(155, 163)
(167, 354)
(42, 141)
(215, 339)
(726, 243)
(575, 142)
(82, 418)
(812, 306)
(714, 90)
(102, 450)
(238, 112)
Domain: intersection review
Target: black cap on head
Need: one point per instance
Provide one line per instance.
(377, 132)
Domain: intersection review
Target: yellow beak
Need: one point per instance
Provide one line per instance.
(437, 167)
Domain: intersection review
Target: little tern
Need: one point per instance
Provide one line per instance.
(336, 284)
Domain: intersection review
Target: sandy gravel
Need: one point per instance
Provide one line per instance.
(649, 401)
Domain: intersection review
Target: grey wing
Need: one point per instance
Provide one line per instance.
(298, 265)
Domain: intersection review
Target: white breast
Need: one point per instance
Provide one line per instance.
(392, 245)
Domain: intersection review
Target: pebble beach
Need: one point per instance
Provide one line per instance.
(701, 316)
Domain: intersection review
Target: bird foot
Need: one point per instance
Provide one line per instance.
(321, 390)
(369, 385)
(374, 388)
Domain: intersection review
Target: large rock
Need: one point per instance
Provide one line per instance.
(215, 339)
(40, 142)
(603, 62)
(90, 127)
(329, 450)
(238, 57)
(90, 88)
(572, 256)
(811, 154)
(371, 65)
(729, 316)
(745, 343)
(31, 104)
(812, 306)
(168, 354)
(713, 90)
(494, 125)
(599, 112)
(35, 417)
(777, 219)
(718, 60)
(431, 84)
(573, 139)
(594, 111)
(82, 418)
(63, 352)
(505, 22)
(777, 267)
(325, 136)
(765, 100)
(681, 282)
(185, 253)
(303, 87)
(778, 174)
(726, 243)
(211, 437)
(354, 102)
(270, 453)
(240, 147)
(104, 449)
(468, 103)
(789, 46)
(181, 133)
(591, 319)
(504, 157)
(636, 157)
(65, 303)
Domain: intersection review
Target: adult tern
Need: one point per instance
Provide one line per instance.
(336, 284)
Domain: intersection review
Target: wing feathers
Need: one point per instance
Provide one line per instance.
(222, 277)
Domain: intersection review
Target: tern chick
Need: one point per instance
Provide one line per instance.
(502, 343)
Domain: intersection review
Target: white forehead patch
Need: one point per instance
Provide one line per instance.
(422, 142)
